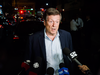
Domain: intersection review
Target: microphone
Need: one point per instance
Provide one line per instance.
(35, 66)
(63, 70)
(71, 55)
(25, 66)
(88, 72)
(50, 71)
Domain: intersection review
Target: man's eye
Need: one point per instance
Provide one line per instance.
(51, 21)
(57, 22)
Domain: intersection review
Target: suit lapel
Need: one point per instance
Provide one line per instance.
(42, 44)
(61, 37)
(63, 44)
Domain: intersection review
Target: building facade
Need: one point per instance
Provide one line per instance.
(24, 4)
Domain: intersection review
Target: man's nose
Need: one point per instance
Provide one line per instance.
(54, 23)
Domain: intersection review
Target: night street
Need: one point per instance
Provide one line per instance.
(20, 19)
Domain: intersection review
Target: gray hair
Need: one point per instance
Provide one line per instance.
(51, 11)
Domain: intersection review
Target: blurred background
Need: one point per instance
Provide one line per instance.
(21, 18)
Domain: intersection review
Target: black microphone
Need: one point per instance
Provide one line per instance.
(50, 71)
(88, 72)
(71, 55)
(35, 66)
(61, 65)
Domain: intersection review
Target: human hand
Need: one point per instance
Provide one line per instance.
(83, 68)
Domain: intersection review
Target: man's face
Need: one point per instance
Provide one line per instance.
(52, 24)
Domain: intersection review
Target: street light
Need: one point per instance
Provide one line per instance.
(47, 4)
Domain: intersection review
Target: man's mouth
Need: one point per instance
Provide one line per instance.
(53, 28)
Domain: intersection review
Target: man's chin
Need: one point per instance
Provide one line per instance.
(53, 33)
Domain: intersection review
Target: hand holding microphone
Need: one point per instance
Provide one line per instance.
(73, 57)
(83, 68)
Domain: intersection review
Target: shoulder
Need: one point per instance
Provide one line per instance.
(80, 19)
(64, 32)
(37, 34)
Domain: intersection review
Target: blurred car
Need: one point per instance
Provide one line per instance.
(11, 21)
(3, 20)
(7, 28)
(1, 31)
(28, 27)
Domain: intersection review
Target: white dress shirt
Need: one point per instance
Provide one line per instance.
(80, 22)
(53, 52)
(73, 25)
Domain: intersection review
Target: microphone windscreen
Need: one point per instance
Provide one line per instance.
(36, 65)
(25, 65)
(32, 73)
(37, 59)
(61, 65)
(66, 51)
(50, 71)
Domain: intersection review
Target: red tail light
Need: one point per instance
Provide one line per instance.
(15, 37)
(1, 26)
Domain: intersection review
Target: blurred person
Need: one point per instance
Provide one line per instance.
(74, 32)
(88, 32)
(49, 43)
(80, 28)
(88, 27)
(80, 22)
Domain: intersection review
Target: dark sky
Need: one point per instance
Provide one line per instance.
(42, 3)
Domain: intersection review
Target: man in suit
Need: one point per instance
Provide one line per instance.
(49, 43)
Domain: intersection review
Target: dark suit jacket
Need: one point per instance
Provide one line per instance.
(36, 48)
